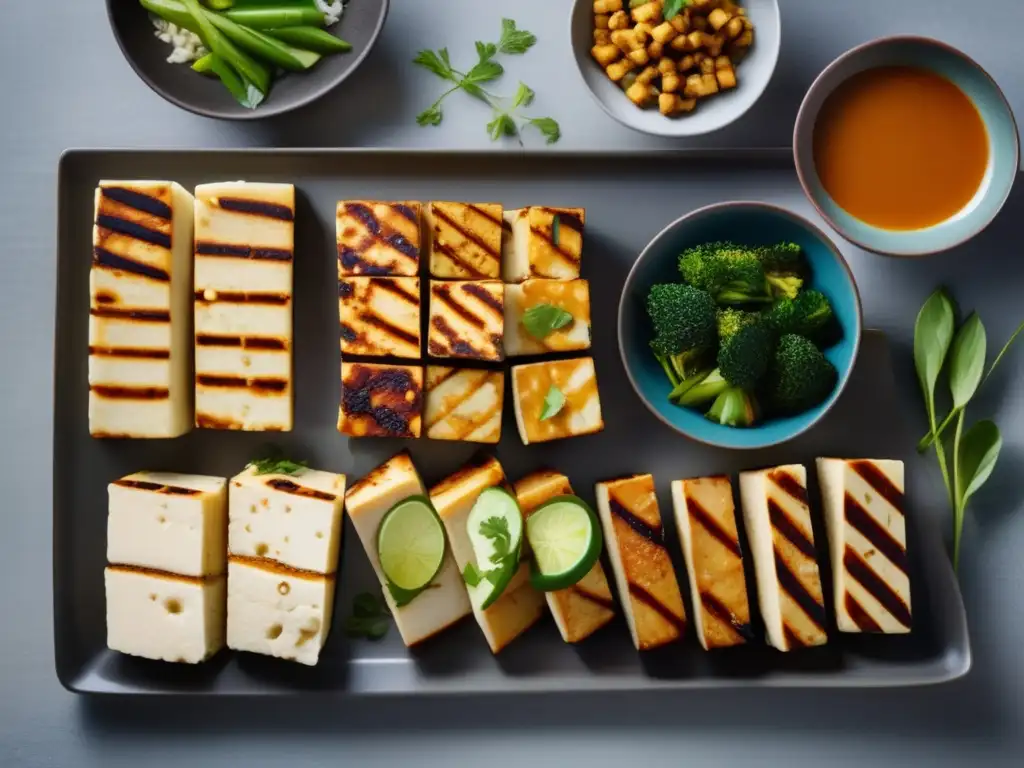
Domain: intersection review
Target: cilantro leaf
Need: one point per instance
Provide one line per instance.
(437, 62)
(524, 96)
(277, 464)
(430, 116)
(514, 41)
(472, 576)
(369, 617)
(496, 529)
(547, 126)
(485, 50)
(554, 401)
(403, 596)
(502, 125)
(483, 72)
(672, 8)
(541, 320)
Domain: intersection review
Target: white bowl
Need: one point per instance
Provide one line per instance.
(753, 72)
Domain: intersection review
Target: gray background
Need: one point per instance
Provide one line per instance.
(65, 84)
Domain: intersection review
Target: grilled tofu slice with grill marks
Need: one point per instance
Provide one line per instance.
(778, 523)
(464, 404)
(380, 400)
(464, 240)
(571, 296)
(706, 522)
(646, 580)
(367, 502)
(543, 242)
(140, 293)
(586, 606)
(244, 241)
(380, 316)
(867, 534)
(576, 379)
(467, 319)
(520, 605)
(378, 238)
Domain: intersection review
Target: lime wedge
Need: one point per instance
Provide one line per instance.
(566, 541)
(495, 530)
(410, 544)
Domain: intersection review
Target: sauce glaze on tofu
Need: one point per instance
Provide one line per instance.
(380, 316)
(572, 296)
(543, 242)
(464, 240)
(467, 319)
(576, 379)
(378, 238)
(464, 404)
(380, 400)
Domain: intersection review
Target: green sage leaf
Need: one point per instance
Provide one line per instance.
(979, 451)
(967, 360)
(933, 333)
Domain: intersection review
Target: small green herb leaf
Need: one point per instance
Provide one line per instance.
(502, 125)
(514, 41)
(430, 116)
(367, 605)
(496, 529)
(369, 617)
(933, 333)
(541, 320)
(485, 50)
(403, 596)
(979, 451)
(672, 8)
(437, 62)
(554, 401)
(277, 465)
(524, 96)
(483, 72)
(471, 575)
(967, 360)
(548, 127)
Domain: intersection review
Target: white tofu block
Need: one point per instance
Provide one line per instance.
(867, 534)
(467, 319)
(278, 611)
(572, 296)
(140, 289)
(381, 400)
(368, 501)
(165, 617)
(378, 238)
(778, 522)
(463, 240)
(168, 522)
(464, 404)
(380, 316)
(543, 242)
(576, 379)
(292, 519)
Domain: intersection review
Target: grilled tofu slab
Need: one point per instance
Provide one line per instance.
(586, 606)
(381, 400)
(244, 241)
(581, 413)
(543, 242)
(572, 296)
(520, 605)
(867, 534)
(778, 523)
(706, 521)
(467, 319)
(380, 316)
(378, 238)
(464, 240)
(140, 292)
(646, 580)
(367, 502)
(464, 404)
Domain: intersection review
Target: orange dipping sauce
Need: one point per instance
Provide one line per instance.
(900, 147)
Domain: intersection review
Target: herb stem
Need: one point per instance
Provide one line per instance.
(940, 453)
(957, 494)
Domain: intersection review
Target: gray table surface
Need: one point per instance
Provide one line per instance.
(64, 84)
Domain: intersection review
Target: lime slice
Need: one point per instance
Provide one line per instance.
(495, 530)
(566, 541)
(410, 544)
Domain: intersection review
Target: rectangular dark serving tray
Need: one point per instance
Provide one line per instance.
(627, 202)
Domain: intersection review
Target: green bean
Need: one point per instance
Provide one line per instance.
(218, 42)
(273, 17)
(204, 64)
(244, 92)
(311, 39)
(220, 5)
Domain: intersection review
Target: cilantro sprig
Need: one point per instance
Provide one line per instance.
(370, 617)
(508, 120)
(277, 464)
(502, 559)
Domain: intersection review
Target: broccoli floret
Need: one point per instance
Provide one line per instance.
(743, 358)
(784, 267)
(805, 315)
(734, 407)
(683, 318)
(731, 273)
(800, 376)
(730, 320)
(700, 390)
(784, 286)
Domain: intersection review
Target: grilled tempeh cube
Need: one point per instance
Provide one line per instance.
(867, 534)
(140, 289)
(244, 241)
(706, 521)
(378, 238)
(778, 523)
(646, 580)
(464, 404)
(586, 606)
(572, 296)
(576, 379)
(467, 319)
(464, 240)
(543, 242)
(380, 316)
(380, 400)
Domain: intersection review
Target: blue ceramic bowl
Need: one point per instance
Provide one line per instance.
(748, 223)
(980, 88)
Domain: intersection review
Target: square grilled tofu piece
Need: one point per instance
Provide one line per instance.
(867, 534)
(380, 316)
(464, 240)
(543, 242)
(140, 297)
(576, 379)
(467, 319)
(368, 501)
(706, 522)
(778, 523)
(378, 238)
(381, 400)
(586, 606)
(464, 404)
(520, 605)
(646, 580)
(531, 299)
(244, 241)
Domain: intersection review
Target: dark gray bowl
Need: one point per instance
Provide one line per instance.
(360, 25)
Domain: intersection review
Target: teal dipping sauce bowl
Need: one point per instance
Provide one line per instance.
(979, 87)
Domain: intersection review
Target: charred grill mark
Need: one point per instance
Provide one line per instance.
(789, 485)
(244, 342)
(485, 297)
(455, 258)
(656, 535)
(365, 216)
(453, 406)
(260, 384)
(703, 518)
(287, 486)
(878, 480)
(862, 522)
(858, 615)
(139, 201)
(456, 346)
(130, 393)
(209, 421)
(486, 214)
(168, 490)
(641, 595)
(876, 587)
(243, 297)
(140, 315)
(404, 210)
(438, 380)
(548, 238)
(345, 289)
(105, 297)
(400, 394)
(480, 420)
(392, 330)
(131, 352)
(718, 609)
(380, 233)
(793, 640)
(348, 333)
(101, 257)
(394, 287)
(444, 294)
(791, 585)
(398, 243)
(203, 248)
(592, 597)
(484, 246)
(352, 262)
(133, 230)
(255, 208)
(785, 526)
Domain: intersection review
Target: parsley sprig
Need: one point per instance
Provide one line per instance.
(277, 464)
(507, 120)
